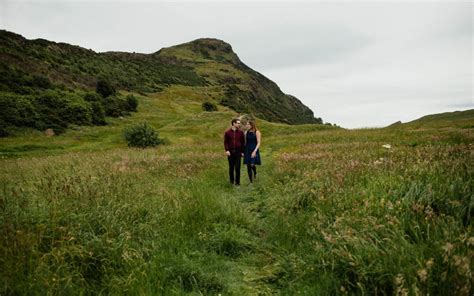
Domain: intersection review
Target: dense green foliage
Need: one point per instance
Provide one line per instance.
(105, 88)
(131, 103)
(57, 109)
(141, 135)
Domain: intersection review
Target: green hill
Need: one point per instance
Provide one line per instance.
(461, 119)
(447, 119)
(30, 69)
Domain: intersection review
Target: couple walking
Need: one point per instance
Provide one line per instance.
(242, 144)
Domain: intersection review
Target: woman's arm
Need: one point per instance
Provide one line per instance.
(259, 139)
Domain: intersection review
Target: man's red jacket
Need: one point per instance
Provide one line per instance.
(234, 141)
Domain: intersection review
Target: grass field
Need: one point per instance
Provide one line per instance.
(332, 211)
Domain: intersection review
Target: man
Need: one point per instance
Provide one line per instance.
(234, 144)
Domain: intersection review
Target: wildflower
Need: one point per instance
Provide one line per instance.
(429, 212)
(430, 263)
(462, 263)
(400, 282)
(470, 241)
(417, 207)
(389, 205)
(422, 274)
(448, 247)
(387, 146)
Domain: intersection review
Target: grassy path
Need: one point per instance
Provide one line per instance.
(251, 270)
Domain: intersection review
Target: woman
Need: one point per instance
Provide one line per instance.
(253, 139)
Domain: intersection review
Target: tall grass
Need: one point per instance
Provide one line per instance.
(332, 212)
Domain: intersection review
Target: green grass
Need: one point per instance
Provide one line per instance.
(332, 211)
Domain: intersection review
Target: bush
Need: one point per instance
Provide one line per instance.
(105, 88)
(98, 113)
(50, 108)
(131, 103)
(208, 106)
(78, 112)
(17, 111)
(3, 129)
(114, 106)
(142, 135)
(41, 82)
(92, 97)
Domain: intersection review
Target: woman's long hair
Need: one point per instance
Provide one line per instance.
(253, 126)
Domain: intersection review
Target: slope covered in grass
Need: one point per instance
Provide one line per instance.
(461, 119)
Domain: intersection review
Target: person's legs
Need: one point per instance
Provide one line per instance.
(249, 172)
(231, 160)
(237, 168)
(254, 169)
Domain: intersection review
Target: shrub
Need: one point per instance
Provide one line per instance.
(142, 135)
(105, 88)
(3, 129)
(131, 103)
(41, 82)
(114, 106)
(78, 112)
(17, 111)
(208, 106)
(98, 113)
(92, 97)
(49, 107)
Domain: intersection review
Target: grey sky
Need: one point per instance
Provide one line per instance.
(357, 64)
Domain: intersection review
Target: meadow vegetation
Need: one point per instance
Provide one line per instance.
(332, 211)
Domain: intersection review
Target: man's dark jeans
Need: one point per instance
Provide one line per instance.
(234, 165)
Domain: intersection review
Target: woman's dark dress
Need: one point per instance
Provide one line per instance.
(250, 144)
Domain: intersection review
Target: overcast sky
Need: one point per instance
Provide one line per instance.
(356, 64)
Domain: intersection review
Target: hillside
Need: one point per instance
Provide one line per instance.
(28, 66)
(446, 119)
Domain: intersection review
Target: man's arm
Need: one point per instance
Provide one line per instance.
(226, 144)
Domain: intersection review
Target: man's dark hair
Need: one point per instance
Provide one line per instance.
(234, 121)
